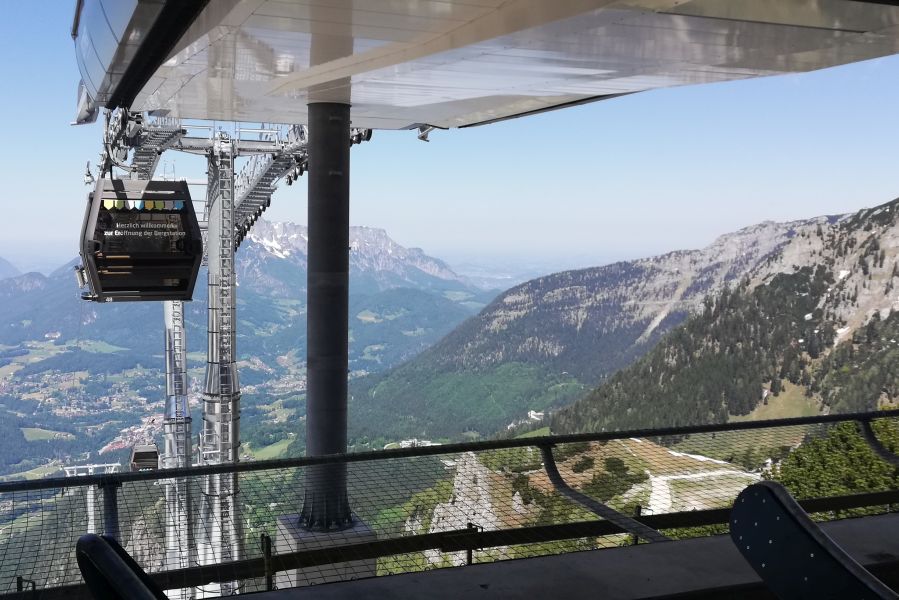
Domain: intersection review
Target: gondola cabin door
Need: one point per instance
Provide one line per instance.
(140, 241)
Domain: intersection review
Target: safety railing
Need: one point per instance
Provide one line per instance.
(437, 506)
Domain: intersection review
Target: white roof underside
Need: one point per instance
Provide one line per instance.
(451, 63)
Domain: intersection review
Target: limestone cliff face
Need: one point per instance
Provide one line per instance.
(592, 321)
(471, 502)
(860, 252)
(19, 284)
(145, 544)
(795, 320)
(497, 494)
(273, 257)
(543, 344)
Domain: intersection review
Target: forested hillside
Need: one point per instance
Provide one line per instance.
(720, 363)
(78, 376)
(839, 463)
(824, 329)
(543, 343)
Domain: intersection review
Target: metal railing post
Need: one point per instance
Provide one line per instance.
(637, 512)
(267, 562)
(598, 508)
(21, 582)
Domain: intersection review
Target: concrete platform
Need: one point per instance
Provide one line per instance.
(291, 537)
(699, 568)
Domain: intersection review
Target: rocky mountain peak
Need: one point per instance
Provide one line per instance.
(568, 318)
(279, 239)
(540, 344)
(861, 252)
(374, 258)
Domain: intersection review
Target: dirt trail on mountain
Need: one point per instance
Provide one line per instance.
(685, 281)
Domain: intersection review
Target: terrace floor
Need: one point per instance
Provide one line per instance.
(709, 567)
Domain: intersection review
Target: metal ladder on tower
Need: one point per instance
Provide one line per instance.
(225, 289)
(156, 135)
(179, 353)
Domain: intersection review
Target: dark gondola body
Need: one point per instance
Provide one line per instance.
(144, 457)
(140, 241)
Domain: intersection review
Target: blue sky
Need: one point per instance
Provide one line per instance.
(629, 177)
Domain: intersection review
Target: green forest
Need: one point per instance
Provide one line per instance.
(839, 463)
(719, 362)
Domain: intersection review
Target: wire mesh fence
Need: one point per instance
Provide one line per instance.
(423, 508)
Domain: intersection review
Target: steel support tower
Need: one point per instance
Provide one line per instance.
(219, 531)
(204, 526)
(180, 550)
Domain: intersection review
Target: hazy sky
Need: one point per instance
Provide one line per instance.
(629, 177)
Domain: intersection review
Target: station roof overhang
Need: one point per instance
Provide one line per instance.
(449, 63)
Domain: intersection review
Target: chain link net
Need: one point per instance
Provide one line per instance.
(400, 499)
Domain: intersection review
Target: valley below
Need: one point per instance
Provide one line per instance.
(772, 321)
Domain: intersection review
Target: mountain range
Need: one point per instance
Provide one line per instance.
(546, 342)
(812, 327)
(75, 374)
(387, 326)
(777, 314)
(774, 319)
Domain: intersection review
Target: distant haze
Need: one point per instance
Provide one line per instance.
(43, 260)
(7, 269)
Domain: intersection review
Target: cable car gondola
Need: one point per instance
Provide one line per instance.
(140, 241)
(144, 457)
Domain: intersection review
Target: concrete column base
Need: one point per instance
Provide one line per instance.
(291, 537)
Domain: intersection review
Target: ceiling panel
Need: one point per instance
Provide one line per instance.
(447, 63)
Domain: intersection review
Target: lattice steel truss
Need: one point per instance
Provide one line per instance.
(157, 135)
(257, 181)
(180, 549)
(219, 534)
